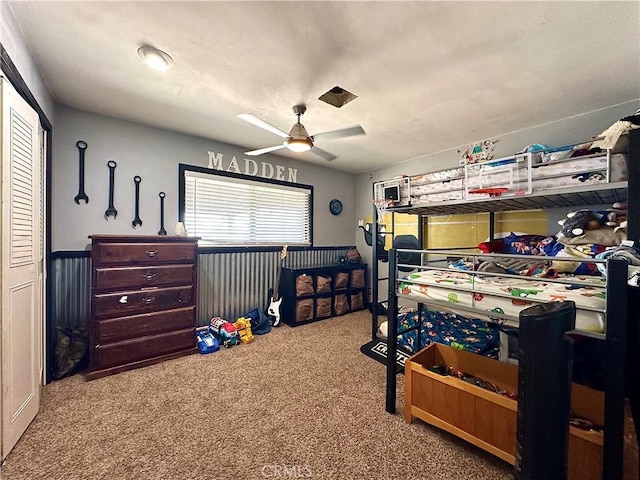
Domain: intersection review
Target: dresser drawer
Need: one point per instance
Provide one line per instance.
(121, 328)
(110, 305)
(114, 253)
(121, 353)
(119, 278)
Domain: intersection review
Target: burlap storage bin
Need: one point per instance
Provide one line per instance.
(357, 278)
(342, 280)
(323, 284)
(323, 307)
(357, 303)
(304, 310)
(304, 285)
(340, 304)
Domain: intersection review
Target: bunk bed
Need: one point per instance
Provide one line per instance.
(604, 314)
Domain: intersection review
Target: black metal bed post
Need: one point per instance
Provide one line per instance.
(615, 361)
(392, 329)
(633, 190)
(492, 227)
(633, 233)
(544, 391)
(374, 272)
(420, 305)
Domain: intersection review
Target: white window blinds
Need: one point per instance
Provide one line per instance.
(225, 210)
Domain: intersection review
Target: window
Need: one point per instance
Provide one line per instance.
(229, 209)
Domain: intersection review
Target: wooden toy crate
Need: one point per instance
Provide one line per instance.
(488, 419)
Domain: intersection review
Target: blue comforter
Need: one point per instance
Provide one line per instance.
(449, 329)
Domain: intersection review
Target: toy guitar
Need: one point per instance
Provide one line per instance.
(276, 300)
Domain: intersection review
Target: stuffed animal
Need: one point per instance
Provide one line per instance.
(617, 216)
(577, 222)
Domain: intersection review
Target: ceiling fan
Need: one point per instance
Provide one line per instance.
(298, 140)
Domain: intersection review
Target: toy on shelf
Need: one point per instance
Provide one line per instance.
(478, 152)
(243, 327)
(224, 331)
(492, 192)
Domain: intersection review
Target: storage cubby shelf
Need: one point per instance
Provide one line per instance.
(307, 296)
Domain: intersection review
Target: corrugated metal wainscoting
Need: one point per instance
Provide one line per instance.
(229, 284)
(70, 298)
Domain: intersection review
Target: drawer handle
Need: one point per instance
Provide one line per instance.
(148, 300)
(151, 253)
(182, 297)
(148, 276)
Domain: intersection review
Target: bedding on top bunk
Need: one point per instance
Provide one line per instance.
(456, 331)
(438, 186)
(591, 170)
(576, 171)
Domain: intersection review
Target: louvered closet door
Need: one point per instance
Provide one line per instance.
(21, 292)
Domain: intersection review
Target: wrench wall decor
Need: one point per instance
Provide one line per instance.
(162, 231)
(136, 221)
(111, 211)
(82, 146)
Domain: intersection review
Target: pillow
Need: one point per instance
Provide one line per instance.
(579, 251)
(522, 244)
(496, 246)
(577, 268)
(569, 267)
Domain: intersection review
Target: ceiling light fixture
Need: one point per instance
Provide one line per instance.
(299, 140)
(154, 58)
(299, 144)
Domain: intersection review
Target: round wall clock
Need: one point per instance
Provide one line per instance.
(335, 206)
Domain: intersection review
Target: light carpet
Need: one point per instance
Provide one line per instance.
(297, 403)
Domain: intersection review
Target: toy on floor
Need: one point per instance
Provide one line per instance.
(207, 343)
(224, 331)
(243, 327)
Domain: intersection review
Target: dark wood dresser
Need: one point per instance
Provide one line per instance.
(143, 296)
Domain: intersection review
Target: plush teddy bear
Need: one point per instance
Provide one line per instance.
(577, 222)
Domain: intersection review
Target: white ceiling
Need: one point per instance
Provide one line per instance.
(429, 75)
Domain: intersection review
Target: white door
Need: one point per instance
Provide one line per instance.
(21, 305)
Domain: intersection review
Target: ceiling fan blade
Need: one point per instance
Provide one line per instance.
(254, 153)
(258, 122)
(323, 153)
(342, 133)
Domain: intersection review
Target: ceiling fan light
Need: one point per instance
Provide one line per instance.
(154, 58)
(299, 144)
